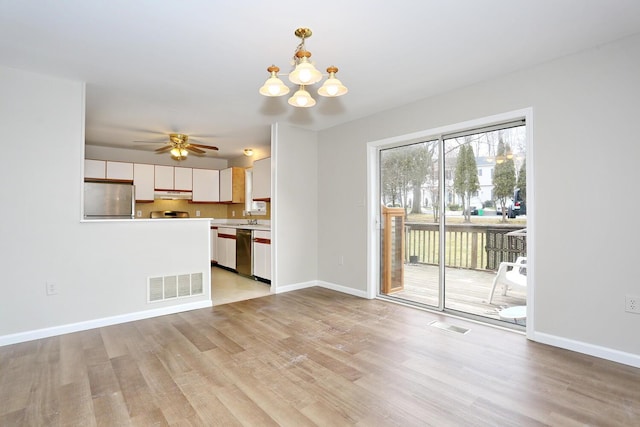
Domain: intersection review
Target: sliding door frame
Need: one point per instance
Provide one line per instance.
(373, 199)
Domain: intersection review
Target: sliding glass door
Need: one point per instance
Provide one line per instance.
(453, 222)
(410, 192)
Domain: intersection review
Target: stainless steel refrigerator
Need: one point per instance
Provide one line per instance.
(108, 200)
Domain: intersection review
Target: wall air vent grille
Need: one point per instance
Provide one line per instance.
(176, 286)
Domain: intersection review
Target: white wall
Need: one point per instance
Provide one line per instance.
(585, 111)
(101, 268)
(294, 210)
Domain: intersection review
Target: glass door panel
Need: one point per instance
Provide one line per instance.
(485, 222)
(410, 213)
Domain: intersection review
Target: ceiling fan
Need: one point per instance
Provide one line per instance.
(179, 146)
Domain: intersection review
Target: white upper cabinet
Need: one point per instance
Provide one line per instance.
(120, 171)
(163, 177)
(101, 169)
(143, 180)
(95, 169)
(206, 185)
(262, 179)
(173, 178)
(182, 179)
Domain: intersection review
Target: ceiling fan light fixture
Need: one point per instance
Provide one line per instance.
(178, 153)
(303, 74)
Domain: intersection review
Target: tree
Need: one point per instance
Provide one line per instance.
(465, 181)
(504, 178)
(522, 180)
(392, 178)
(405, 169)
(421, 163)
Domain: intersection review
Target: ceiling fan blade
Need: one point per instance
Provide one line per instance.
(194, 149)
(210, 147)
(164, 149)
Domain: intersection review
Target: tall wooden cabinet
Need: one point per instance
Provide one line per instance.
(262, 180)
(232, 185)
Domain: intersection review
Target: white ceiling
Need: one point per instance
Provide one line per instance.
(195, 66)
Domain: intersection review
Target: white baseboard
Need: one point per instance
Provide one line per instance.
(343, 289)
(590, 349)
(98, 323)
(322, 284)
(296, 286)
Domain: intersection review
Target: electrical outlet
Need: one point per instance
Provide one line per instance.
(139, 214)
(52, 288)
(632, 304)
(197, 213)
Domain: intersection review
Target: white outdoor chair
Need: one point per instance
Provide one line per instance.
(511, 275)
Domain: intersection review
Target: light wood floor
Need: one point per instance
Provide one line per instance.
(303, 358)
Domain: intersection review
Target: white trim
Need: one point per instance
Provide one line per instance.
(275, 276)
(98, 323)
(531, 221)
(322, 284)
(373, 219)
(589, 349)
(373, 244)
(344, 289)
(296, 286)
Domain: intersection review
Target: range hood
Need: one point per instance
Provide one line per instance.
(172, 195)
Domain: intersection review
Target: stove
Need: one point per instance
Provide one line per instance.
(169, 214)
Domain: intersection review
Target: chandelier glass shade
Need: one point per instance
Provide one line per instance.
(274, 86)
(302, 99)
(332, 86)
(303, 75)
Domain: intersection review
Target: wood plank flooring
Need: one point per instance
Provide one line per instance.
(312, 357)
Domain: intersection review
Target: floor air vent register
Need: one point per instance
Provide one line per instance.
(169, 287)
(447, 327)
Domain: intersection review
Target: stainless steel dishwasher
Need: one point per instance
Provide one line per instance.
(244, 263)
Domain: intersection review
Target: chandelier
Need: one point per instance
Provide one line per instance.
(303, 75)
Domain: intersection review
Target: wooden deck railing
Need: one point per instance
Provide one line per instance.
(472, 246)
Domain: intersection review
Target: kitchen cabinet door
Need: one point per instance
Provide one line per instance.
(120, 171)
(232, 185)
(143, 180)
(163, 177)
(262, 254)
(262, 180)
(95, 169)
(182, 179)
(226, 249)
(206, 185)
